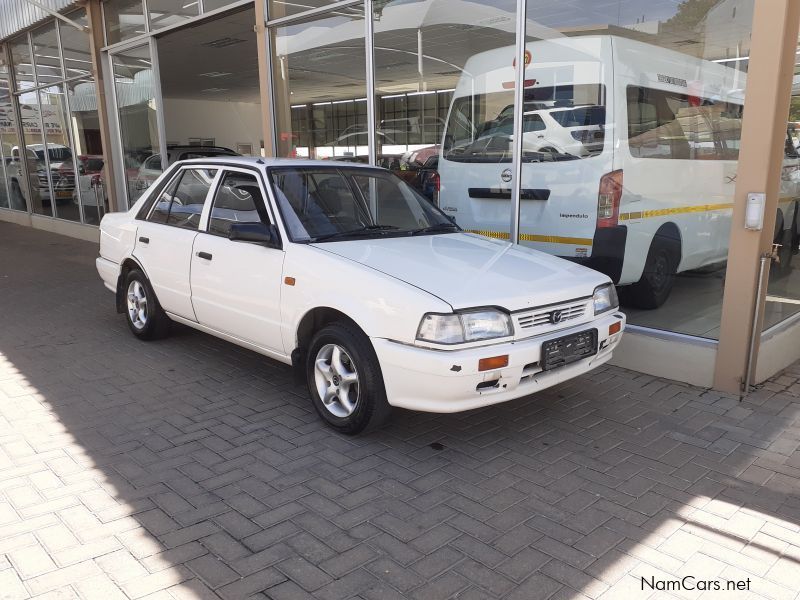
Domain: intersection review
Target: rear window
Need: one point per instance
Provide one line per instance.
(670, 125)
(581, 117)
(480, 127)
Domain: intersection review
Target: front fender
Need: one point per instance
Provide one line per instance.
(379, 304)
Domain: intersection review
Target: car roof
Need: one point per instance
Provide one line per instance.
(271, 162)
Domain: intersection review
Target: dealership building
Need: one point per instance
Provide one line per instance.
(655, 140)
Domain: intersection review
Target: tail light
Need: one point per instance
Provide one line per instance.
(608, 199)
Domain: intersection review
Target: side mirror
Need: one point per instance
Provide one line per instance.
(256, 233)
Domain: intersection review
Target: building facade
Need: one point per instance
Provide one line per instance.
(656, 141)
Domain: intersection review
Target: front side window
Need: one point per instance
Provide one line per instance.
(320, 204)
(238, 200)
(181, 203)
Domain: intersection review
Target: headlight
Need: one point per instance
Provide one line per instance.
(468, 326)
(605, 298)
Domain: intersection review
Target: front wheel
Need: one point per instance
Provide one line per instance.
(655, 285)
(345, 381)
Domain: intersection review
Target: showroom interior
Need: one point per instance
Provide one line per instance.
(638, 99)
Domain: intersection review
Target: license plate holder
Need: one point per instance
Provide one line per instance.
(568, 349)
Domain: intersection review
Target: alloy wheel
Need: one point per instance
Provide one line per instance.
(137, 305)
(336, 379)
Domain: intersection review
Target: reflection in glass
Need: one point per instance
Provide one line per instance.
(34, 155)
(783, 289)
(164, 13)
(75, 46)
(630, 136)
(124, 19)
(135, 91)
(320, 87)
(90, 187)
(46, 55)
(22, 62)
(434, 110)
(59, 152)
(14, 189)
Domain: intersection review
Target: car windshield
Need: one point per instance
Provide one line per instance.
(331, 204)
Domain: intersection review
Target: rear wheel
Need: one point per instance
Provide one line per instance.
(655, 285)
(144, 315)
(345, 380)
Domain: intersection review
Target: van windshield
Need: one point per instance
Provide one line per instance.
(564, 122)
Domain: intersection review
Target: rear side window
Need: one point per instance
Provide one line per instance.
(181, 202)
(238, 200)
(670, 125)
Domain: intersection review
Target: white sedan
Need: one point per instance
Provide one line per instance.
(345, 272)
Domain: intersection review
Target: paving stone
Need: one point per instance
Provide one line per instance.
(193, 469)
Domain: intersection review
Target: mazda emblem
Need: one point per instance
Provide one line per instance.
(555, 317)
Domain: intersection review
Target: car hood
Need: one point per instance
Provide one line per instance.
(467, 270)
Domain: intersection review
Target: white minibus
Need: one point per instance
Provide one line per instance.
(629, 157)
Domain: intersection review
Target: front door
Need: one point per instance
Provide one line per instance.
(164, 241)
(236, 285)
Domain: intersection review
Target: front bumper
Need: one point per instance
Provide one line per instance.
(446, 381)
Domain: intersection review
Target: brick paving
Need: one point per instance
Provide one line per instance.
(191, 469)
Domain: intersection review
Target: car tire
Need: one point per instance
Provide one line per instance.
(144, 315)
(658, 277)
(345, 381)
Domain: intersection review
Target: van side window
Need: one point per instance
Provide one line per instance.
(671, 125)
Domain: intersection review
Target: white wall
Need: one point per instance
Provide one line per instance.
(229, 123)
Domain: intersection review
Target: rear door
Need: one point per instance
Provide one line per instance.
(164, 240)
(236, 285)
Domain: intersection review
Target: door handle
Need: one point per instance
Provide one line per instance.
(205, 255)
(144, 240)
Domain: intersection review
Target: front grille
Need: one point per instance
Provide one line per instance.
(540, 317)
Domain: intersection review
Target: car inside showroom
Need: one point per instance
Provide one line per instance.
(399, 299)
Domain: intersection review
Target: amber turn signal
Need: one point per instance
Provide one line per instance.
(614, 328)
(289, 280)
(495, 362)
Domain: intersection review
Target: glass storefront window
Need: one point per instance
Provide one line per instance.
(91, 184)
(124, 19)
(440, 126)
(209, 5)
(164, 13)
(783, 289)
(46, 56)
(22, 62)
(135, 94)
(34, 154)
(631, 130)
(14, 186)
(75, 47)
(320, 87)
(61, 160)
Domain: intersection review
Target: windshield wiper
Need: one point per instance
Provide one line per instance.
(366, 230)
(436, 227)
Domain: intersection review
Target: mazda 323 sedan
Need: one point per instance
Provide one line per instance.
(348, 274)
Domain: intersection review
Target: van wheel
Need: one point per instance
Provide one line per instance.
(144, 315)
(655, 285)
(345, 381)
